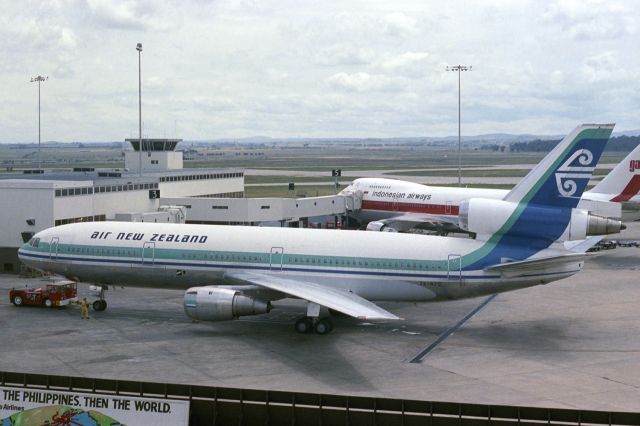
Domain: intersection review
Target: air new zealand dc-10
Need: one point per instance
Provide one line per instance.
(533, 236)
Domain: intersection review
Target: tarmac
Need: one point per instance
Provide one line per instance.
(573, 343)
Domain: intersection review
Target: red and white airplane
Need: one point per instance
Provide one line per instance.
(397, 205)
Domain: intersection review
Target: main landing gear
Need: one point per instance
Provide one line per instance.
(317, 320)
(308, 324)
(100, 304)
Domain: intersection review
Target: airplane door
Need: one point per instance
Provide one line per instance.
(447, 208)
(53, 248)
(275, 258)
(394, 205)
(148, 254)
(454, 268)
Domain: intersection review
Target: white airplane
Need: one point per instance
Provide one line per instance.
(396, 205)
(622, 185)
(239, 270)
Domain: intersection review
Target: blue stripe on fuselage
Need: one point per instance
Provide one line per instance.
(180, 264)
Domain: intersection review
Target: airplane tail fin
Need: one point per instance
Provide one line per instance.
(561, 177)
(540, 207)
(623, 182)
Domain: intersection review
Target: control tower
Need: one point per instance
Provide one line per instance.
(157, 155)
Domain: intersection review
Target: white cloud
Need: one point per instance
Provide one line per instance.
(68, 39)
(118, 14)
(345, 54)
(364, 82)
(591, 19)
(359, 68)
(601, 67)
(154, 82)
(409, 64)
(274, 74)
(400, 24)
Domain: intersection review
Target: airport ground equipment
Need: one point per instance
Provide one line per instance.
(50, 295)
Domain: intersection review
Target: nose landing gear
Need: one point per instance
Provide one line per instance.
(100, 304)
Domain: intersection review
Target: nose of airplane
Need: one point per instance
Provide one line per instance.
(346, 190)
(21, 250)
(24, 248)
(350, 189)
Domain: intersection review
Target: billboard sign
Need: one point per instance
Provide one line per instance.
(28, 406)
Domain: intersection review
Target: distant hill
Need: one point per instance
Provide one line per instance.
(489, 138)
(499, 138)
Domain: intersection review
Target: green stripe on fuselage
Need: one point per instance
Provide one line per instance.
(249, 258)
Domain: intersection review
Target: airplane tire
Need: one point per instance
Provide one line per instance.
(99, 305)
(304, 325)
(324, 326)
(17, 300)
(48, 303)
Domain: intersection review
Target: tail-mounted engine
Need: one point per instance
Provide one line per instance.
(488, 217)
(221, 304)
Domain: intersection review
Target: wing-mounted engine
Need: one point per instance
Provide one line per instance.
(380, 226)
(221, 304)
(486, 217)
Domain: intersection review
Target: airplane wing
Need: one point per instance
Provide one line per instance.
(332, 298)
(409, 220)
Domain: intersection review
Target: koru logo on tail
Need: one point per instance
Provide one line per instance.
(634, 165)
(568, 172)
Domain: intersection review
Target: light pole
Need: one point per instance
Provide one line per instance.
(459, 69)
(39, 79)
(139, 49)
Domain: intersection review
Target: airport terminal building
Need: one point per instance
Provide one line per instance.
(151, 182)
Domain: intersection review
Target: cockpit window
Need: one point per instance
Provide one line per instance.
(34, 242)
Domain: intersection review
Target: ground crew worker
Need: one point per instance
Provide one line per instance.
(84, 308)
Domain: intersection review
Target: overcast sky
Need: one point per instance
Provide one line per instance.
(295, 68)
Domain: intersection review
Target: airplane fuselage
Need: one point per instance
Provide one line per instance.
(376, 266)
(388, 198)
(385, 198)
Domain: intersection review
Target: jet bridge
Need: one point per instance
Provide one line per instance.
(256, 210)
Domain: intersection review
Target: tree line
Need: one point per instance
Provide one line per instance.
(618, 143)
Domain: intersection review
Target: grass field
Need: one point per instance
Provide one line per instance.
(296, 158)
(251, 179)
(467, 173)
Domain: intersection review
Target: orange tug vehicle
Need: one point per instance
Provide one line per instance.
(53, 294)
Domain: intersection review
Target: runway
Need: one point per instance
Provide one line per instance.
(574, 343)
